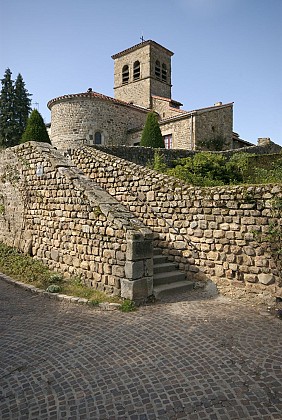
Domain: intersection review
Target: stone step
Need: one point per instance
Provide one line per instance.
(164, 267)
(172, 288)
(168, 277)
(159, 259)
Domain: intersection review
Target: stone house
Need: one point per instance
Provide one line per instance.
(142, 83)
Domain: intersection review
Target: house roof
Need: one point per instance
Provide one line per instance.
(141, 45)
(185, 114)
(162, 98)
(92, 94)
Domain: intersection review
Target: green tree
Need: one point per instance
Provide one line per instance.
(8, 126)
(35, 129)
(22, 105)
(14, 109)
(151, 135)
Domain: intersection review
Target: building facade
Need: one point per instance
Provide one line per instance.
(142, 83)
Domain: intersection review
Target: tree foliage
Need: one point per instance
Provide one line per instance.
(215, 143)
(7, 113)
(151, 135)
(14, 109)
(22, 105)
(35, 129)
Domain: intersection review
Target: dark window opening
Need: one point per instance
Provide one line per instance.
(164, 72)
(158, 69)
(136, 70)
(98, 137)
(125, 74)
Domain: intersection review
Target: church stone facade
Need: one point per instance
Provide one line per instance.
(142, 83)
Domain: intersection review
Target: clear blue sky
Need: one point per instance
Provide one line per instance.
(225, 50)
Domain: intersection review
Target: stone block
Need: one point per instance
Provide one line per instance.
(149, 267)
(84, 265)
(139, 250)
(55, 254)
(266, 278)
(134, 269)
(136, 289)
(219, 271)
(249, 250)
(180, 245)
(250, 278)
(118, 270)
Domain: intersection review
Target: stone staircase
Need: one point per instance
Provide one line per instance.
(167, 278)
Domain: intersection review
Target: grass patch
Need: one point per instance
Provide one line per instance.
(28, 270)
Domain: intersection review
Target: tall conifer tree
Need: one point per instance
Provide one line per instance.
(14, 109)
(8, 127)
(151, 135)
(35, 129)
(22, 105)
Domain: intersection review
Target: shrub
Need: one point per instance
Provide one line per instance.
(54, 288)
(127, 306)
(204, 169)
(158, 163)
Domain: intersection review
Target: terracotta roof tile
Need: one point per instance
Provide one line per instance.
(141, 44)
(95, 95)
(195, 111)
(162, 98)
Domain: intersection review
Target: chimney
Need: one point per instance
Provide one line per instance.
(263, 141)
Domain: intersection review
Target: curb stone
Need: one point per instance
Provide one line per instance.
(104, 306)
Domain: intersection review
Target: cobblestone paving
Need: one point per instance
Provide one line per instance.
(190, 359)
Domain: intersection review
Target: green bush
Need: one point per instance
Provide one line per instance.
(211, 169)
(205, 169)
(127, 306)
(54, 288)
(158, 163)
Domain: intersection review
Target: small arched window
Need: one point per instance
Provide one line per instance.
(158, 69)
(98, 137)
(125, 74)
(136, 70)
(164, 72)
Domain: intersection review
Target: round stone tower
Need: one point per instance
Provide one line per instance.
(92, 118)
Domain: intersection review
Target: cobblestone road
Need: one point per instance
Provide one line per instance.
(191, 359)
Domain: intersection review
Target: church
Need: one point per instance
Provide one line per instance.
(142, 83)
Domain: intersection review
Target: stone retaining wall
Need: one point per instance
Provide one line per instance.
(144, 155)
(51, 210)
(213, 233)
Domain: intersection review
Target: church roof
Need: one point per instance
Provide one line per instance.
(92, 94)
(141, 45)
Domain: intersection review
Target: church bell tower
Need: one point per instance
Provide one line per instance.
(142, 71)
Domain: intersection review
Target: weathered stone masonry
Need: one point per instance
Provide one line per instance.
(52, 210)
(96, 215)
(210, 232)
